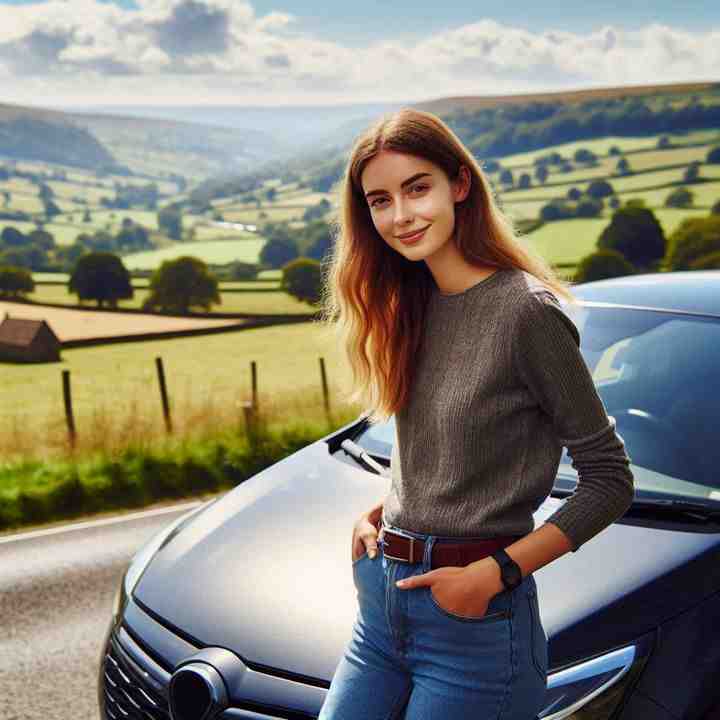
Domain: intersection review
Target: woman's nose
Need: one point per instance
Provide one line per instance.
(402, 213)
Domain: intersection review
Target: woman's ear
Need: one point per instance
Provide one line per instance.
(461, 185)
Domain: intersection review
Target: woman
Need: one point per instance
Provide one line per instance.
(451, 324)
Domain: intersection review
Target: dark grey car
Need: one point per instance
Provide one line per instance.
(242, 607)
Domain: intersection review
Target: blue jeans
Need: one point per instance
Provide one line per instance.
(410, 658)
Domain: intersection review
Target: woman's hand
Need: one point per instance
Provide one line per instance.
(365, 534)
(461, 590)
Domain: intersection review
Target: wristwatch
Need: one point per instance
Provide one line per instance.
(510, 571)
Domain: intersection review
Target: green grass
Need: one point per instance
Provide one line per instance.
(113, 385)
(216, 252)
(601, 146)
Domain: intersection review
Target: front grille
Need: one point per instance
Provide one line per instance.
(128, 694)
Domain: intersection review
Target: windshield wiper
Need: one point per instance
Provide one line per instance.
(695, 508)
(363, 457)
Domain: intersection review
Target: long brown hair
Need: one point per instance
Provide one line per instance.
(374, 298)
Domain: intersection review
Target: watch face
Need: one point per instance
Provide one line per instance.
(513, 574)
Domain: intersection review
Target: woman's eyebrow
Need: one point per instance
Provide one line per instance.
(402, 184)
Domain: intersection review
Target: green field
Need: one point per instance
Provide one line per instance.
(217, 252)
(601, 146)
(118, 380)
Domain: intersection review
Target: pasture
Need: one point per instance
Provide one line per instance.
(116, 397)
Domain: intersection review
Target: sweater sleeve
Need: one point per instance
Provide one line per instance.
(547, 357)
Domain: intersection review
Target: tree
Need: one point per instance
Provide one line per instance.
(506, 177)
(177, 285)
(715, 209)
(692, 172)
(600, 189)
(541, 173)
(636, 234)
(319, 240)
(614, 150)
(589, 207)
(693, 238)
(574, 194)
(623, 166)
(602, 264)
(12, 237)
(584, 155)
(42, 238)
(680, 197)
(239, 270)
(132, 237)
(169, 220)
(556, 210)
(302, 279)
(15, 282)
(280, 247)
(51, 209)
(100, 276)
(316, 211)
(713, 155)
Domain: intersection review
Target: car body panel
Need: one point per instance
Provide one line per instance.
(241, 576)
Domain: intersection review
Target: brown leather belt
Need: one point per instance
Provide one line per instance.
(406, 548)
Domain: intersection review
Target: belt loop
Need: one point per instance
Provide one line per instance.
(427, 553)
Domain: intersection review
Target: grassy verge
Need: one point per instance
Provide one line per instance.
(35, 492)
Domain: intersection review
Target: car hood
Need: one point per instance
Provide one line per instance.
(266, 571)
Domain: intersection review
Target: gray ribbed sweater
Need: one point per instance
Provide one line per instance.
(499, 388)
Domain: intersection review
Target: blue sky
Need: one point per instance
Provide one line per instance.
(313, 52)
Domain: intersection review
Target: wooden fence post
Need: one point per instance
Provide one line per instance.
(253, 375)
(326, 394)
(163, 394)
(67, 398)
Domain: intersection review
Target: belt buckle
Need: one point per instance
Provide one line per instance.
(401, 534)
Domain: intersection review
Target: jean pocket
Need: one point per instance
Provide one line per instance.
(489, 617)
(360, 559)
(538, 638)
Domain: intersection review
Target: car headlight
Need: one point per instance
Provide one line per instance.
(144, 555)
(595, 688)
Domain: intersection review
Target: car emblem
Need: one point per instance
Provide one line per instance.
(197, 692)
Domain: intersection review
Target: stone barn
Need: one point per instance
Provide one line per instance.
(25, 340)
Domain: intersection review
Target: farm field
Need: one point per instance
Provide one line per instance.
(78, 325)
(165, 187)
(216, 252)
(117, 384)
(567, 241)
(601, 146)
(270, 303)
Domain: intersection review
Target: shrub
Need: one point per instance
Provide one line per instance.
(603, 264)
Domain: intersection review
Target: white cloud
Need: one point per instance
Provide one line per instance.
(173, 48)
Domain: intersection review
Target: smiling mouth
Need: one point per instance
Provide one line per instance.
(411, 238)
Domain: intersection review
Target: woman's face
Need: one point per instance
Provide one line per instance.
(406, 193)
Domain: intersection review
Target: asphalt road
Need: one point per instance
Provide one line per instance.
(56, 590)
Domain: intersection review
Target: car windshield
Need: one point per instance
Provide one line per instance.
(658, 375)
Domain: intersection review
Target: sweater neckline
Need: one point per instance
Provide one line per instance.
(447, 298)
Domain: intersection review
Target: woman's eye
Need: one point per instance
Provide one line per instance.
(418, 187)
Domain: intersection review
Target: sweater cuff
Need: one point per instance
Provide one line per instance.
(581, 523)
